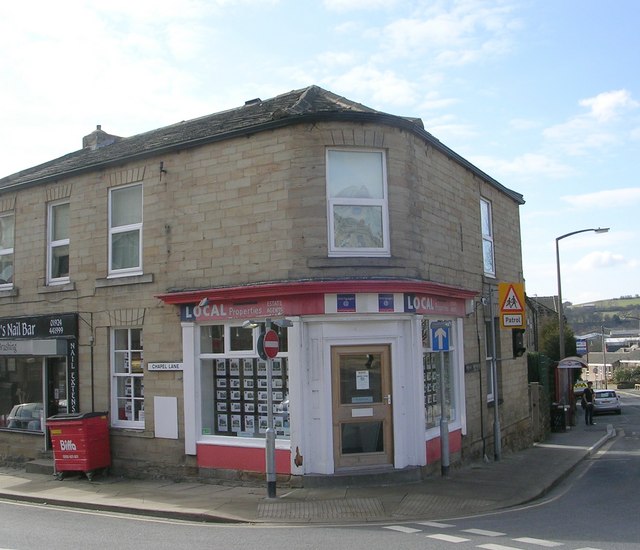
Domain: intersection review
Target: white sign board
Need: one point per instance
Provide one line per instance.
(164, 366)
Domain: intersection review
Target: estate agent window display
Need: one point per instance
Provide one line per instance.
(234, 384)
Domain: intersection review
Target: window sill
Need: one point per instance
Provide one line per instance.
(355, 261)
(23, 432)
(244, 442)
(125, 280)
(9, 292)
(65, 287)
(128, 430)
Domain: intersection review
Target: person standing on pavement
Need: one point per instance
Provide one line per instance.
(587, 400)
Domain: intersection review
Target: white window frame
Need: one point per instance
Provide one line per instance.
(115, 230)
(486, 227)
(53, 244)
(382, 203)
(116, 421)
(9, 251)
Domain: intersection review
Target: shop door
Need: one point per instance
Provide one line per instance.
(57, 402)
(362, 413)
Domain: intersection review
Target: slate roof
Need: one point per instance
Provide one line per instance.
(307, 104)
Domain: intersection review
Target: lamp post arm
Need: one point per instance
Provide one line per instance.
(594, 229)
(560, 309)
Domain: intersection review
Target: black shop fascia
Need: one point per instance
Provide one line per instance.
(39, 364)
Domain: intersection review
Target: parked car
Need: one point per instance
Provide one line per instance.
(26, 416)
(606, 401)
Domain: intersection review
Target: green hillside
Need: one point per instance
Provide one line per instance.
(616, 314)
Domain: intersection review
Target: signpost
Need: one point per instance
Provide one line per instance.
(270, 345)
(440, 343)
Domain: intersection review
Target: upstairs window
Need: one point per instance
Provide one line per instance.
(58, 243)
(486, 221)
(7, 226)
(125, 230)
(357, 203)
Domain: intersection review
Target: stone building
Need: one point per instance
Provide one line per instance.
(132, 267)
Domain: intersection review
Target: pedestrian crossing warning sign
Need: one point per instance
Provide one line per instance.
(511, 300)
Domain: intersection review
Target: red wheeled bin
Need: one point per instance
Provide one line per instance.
(80, 443)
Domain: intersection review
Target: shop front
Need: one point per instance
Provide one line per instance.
(38, 370)
(355, 385)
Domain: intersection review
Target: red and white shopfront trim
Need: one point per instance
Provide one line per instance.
(354, 385)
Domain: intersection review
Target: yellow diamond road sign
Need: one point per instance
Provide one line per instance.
(511, 300)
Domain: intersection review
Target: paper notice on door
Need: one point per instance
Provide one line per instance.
(362, 380)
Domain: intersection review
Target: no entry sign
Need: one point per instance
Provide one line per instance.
(271, 344)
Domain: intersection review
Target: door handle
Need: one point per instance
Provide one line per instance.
(387, 399)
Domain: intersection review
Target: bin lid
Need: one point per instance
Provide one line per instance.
(76, 416)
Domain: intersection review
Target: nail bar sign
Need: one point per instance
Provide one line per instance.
(39, 326)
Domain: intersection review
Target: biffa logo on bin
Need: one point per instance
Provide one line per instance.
(67, 445)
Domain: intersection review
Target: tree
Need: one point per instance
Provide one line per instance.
(549, 340)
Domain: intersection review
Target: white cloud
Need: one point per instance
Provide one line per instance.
(528, 166)
(608, 105)
(433, 101)
(451, 33)
(336, 59)
(354, 5)
(383, 86)
(609, 198)
(601, 127)
(523, 124)
(600, 260)
(579, 136)
(446, 128)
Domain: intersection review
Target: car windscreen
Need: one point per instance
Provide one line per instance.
(605, 395)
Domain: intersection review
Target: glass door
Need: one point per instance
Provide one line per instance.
(362, 409)
(57, 402)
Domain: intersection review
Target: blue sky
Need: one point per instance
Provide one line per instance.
(543, 95)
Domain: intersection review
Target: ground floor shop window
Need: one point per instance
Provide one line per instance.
(234, 388)
(21, 394)
(127, 371)
(431, 363)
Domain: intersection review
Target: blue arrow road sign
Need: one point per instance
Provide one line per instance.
(440, 336)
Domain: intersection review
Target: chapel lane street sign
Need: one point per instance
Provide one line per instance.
(511, 300)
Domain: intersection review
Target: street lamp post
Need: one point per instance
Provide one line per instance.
(560, 312)
(604, 360)
(564, 381)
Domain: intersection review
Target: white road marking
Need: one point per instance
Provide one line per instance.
(498, 547)
(435, 524)
(447, 538)
(402, 529)
(539, 542)
(484, 533)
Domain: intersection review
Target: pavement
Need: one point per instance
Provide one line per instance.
(489, 485)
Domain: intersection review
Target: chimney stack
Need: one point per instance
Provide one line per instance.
(98, 138)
